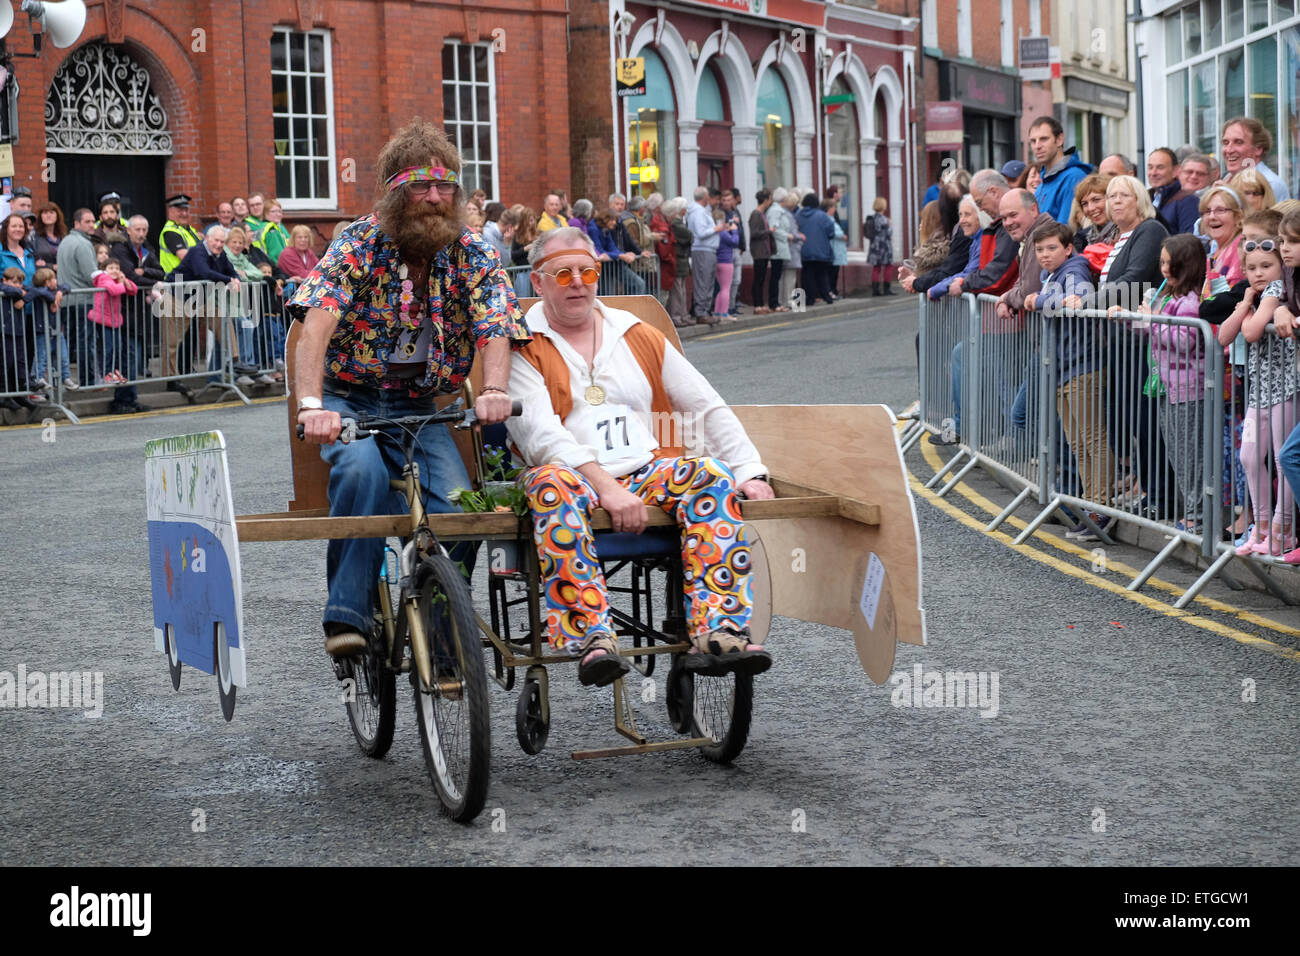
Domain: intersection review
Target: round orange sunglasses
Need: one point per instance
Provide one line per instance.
(588, 274)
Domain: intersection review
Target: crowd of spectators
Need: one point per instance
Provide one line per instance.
(688, 249)
(90, 281)
(1053, 235)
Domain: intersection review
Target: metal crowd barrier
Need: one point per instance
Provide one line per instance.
(945, 328)
(640, 277)
(1106, 418)
(170, 333)
(1258, 401)
(31, 346)
(1137, 397)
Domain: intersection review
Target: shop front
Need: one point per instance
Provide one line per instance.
(651, 124)
(1093, 117)
(991, 106)
(1214, 60)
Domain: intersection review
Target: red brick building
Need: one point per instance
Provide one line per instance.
(291, 98)
(748, 93)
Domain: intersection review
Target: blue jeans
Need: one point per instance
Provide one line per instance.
(1289, 458)
(1024, 416)
(45, 351)
(359, 476)
(956, 387)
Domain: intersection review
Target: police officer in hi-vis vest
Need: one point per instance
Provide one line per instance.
(177, 236)
(174, 241)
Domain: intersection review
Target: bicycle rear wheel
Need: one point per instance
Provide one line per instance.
(452, 714)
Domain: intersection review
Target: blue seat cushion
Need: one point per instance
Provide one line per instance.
(652, 543)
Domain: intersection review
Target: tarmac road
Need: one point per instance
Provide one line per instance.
(1114, 745)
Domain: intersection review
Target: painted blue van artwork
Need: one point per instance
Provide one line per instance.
(198, 613)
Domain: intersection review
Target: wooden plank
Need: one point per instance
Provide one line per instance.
(313, 513)
(292, 526)
(311, 529)
(860, 511)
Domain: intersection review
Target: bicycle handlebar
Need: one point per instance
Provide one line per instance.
(463, 417)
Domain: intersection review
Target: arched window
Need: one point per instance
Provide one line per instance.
(842, 160)
(708, 98)
(651, 124)
(776, 120)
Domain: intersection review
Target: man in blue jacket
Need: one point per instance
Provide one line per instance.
(1060, 168)
(818, 230)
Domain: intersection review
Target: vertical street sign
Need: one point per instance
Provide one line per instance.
(631, 76)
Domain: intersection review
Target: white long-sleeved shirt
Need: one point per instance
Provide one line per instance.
(701, 420)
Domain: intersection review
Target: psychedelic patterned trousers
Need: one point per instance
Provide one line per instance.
(699, 492)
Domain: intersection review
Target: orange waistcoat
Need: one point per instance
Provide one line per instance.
(647, 344)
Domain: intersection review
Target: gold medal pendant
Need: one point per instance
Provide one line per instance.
(595, 395)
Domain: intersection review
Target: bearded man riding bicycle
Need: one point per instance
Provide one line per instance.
(392, 316)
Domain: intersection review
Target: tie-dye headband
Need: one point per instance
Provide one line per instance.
(421, 174)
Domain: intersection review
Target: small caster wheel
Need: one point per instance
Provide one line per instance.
(173, 656)
(225, 680)
(531, 723)
(680, 697)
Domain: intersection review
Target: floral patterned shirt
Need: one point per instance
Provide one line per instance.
(360, 278)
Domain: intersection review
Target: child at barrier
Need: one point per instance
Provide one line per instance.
(1081, 377)
(47, 299)
(1179, 356)
(106, 314)
(13, 337)
(1219, 300)
(1287, 312)
(1272, 402)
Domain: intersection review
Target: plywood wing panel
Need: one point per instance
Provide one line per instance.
(819, 565)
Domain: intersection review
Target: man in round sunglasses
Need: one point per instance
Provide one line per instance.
(393, 315)
(610, 411)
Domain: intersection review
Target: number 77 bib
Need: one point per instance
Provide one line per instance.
(619, 434)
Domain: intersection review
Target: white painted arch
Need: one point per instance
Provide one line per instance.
(796, 84)
(681, 71)
(887, 84)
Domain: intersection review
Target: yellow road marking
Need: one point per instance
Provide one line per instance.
(974, 497)
(153, 412)
(1104, 584)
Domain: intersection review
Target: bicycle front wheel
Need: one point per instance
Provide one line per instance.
(452, 714)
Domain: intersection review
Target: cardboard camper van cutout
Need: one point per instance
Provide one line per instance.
(840, 539)
(198, 609)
